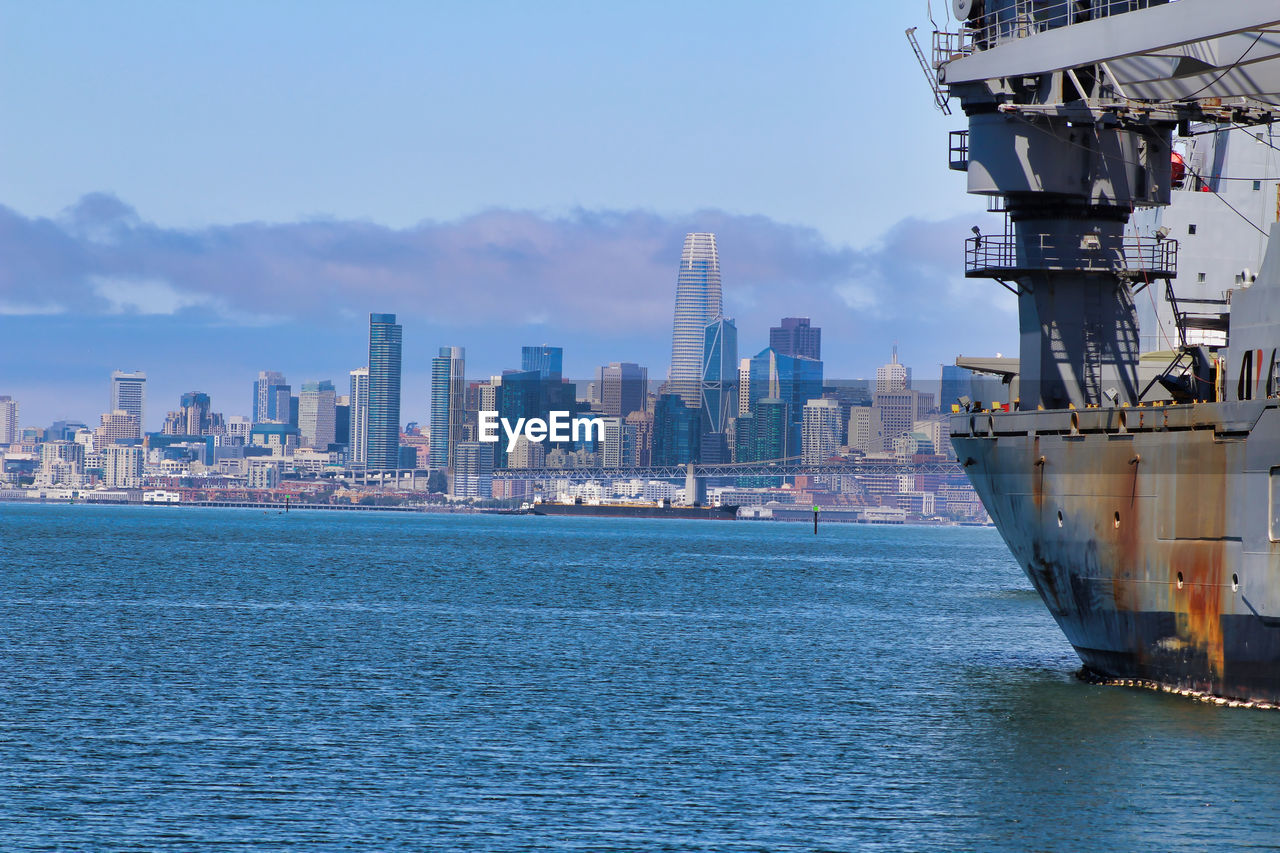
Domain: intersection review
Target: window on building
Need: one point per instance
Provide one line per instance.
(1200, 277)
(1191, 229)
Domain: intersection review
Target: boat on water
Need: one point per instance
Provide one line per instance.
(1141, 495)
(665, 509)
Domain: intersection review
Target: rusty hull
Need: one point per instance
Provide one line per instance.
(1148, 532)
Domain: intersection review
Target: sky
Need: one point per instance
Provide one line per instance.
(206, 191)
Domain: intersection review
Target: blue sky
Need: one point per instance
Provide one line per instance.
(206, 191)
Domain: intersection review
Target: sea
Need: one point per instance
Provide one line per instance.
(182, 679)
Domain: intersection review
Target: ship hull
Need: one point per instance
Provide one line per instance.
(1148, 532)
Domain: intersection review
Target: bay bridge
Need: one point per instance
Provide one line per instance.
(790, 466)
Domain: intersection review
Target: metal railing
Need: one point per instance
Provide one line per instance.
(1002, 254)
(958, 142)
(1027, 18)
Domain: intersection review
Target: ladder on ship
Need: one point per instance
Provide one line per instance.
(1201, 318)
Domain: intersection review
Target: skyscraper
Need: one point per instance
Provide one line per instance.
(893, 376)
(129, 394)
(358, 430)
(797, 338)
(271, 394)
(473, 472)
(385, 335)
(548, 361)
(448, 404)
(317, 411)
(791, 380)
(821, 431)
(698, 302)
(677, 431)
(8, 420)
(719, 375)
(623, 387)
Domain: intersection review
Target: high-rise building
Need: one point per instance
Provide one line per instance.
(622, 387)
(122, 466)
(317, 413)
(698, 302)
(129, 394)
(744, 387)
(9, 433)
(358, 430)
(116, 427)
(61, 464)
(797, 338)
(448, 404)
(473, 469)
(643, 423)
(271, 396)
(677, 430)
(865, 432)
(772, 429)
(719, 375)
(792, 380)
(898, 412)
(383, 444)
(821, 431)
(195, 416)
(548, 361)
(618, 449)
(893, 376)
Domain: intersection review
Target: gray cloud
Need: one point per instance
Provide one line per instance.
(589, 272)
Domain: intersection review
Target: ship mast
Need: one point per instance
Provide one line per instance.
(1072, 105)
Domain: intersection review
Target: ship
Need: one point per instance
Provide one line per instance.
(665, 509)
(1139, 493)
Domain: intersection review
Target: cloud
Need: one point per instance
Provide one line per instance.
(589, 273)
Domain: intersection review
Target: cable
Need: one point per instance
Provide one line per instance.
(1227, 70)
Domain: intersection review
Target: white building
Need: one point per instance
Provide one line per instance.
(820, 431)
(122, 467)
(866, 433)
(129, 394)
(618, 449)
(61, 464)
(116, 426)
(317, 411)
(8, 420)
(359, 413)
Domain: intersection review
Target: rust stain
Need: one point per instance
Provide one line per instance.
(1200, 599)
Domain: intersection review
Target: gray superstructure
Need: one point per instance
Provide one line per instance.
(1136, 493)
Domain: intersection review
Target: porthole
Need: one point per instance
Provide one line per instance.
(1179, 580)
(1235, 582)
(1117, 519)
(1059, 518)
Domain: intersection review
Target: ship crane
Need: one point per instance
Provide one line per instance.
(1072, 105)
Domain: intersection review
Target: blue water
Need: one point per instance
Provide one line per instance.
(180, 679)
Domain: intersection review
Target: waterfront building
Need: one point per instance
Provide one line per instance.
(719, 375)
(317, 412)
(677, 430)
(116, 427)
(271, 396)
(698, 302)
(61, 464)
(9, 432)
(383, 442)
(129, 394)
(122, 466)
(795, 337)
(264, 473)
(473, 469)
(821, 431)
(622, 388)
(358, 428)
(548, 361)
(448, 404)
